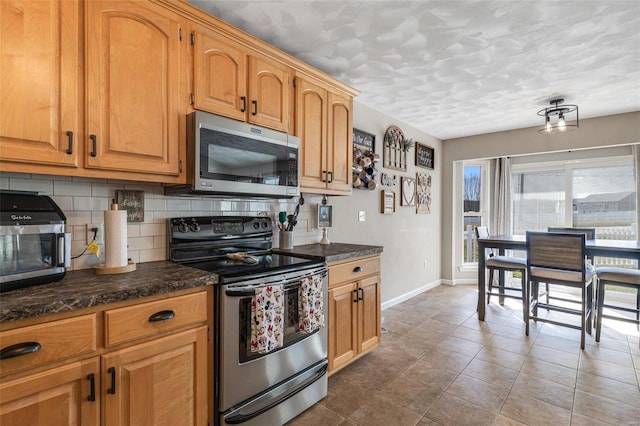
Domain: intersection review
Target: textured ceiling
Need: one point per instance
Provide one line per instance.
(460, 67)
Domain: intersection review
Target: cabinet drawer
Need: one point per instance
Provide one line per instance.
(353, 270)
(153, 318)
(44, 343)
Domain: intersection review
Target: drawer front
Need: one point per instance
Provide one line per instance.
(45, 343)
(153, 318)
(353, 270)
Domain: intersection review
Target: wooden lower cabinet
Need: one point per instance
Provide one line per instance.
(160, 376)
(162, 382)
(60, 396)
(354, 310)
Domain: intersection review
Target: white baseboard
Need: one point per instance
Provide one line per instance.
(463, 281)
(409, 295)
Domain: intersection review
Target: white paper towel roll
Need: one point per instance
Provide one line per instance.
(115, 238)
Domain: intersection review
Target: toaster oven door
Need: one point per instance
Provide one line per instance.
(32, 254)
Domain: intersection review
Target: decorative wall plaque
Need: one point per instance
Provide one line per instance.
(388, 202)
(133, 203)
(423, 193)
(408, 189)
(424, 156)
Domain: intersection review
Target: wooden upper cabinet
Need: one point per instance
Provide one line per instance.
(340, 142)
(232, 80)
(268, 93)
(134, 61)
(39, 81)
(220, 70)
(324, 125)
(311, 119)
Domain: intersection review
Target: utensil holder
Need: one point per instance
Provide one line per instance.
(286, 240)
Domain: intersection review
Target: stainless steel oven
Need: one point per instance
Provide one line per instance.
(34, 245)
(253, 387)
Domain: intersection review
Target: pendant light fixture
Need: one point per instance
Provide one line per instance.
(561, 111)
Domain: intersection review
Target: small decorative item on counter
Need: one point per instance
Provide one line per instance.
(364, 168)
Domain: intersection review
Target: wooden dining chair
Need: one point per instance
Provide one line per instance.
(502, 264)
(622, 277)
(560, 259)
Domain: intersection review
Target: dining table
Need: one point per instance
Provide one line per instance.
(623, 249)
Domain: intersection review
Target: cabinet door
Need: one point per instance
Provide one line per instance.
(268, 94)
(220, 74)
(161, 382)
(343, 325)
(39, 81)
(369, 314)
(311, 118)
(339, 142)
(133, 87)
(60, 396)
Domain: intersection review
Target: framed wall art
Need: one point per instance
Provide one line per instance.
(424, 156)
(388, 202)
(423, 193)
(133, 203)
(366, 141)
(408, 191)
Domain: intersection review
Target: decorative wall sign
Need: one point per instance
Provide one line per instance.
(408, 189)
(133, 203)
(395, 149)
(364, 140)
(388, 180)
(388, 202)
(325, 216)
(424, 156)
(423, 196)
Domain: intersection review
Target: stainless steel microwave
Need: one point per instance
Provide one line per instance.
(231, 158)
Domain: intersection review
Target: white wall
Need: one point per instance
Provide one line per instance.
(609, 131)
(409, 239)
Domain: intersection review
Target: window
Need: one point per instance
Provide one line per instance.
(538, 200)
(472, 192)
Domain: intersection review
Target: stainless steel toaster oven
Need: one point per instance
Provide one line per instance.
(35, 247)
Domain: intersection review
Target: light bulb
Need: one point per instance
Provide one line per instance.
(562, 126)
(547, 127)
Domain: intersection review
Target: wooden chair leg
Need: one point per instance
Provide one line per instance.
(491, 271)
(600, 300)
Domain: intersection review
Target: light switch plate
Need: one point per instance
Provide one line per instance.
(361, 216)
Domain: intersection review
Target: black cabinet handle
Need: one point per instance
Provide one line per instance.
(112, 388)
(94, 145)
(19, 349)
(357, 269)
(330, 176)
(255, 107)
(70, 137)
(92, 387)
(162, 316)
(244, 103)
(355, 292)
(361, 294)
(324, 172)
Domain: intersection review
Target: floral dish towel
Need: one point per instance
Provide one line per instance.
(311, 304)
(267, 327)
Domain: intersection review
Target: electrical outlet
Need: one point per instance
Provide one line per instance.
(99, 235)
(361, 216)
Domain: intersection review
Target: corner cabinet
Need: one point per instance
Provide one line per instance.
(354, 310)
(232, 80)
(40, 82)
(324, 125)
(148, 365)
(134, 65)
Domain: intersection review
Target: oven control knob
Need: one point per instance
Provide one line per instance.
(265, 224)
(182, 227)
(194, 226)
(256, 225)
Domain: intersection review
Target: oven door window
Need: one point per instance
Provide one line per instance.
(292, 332)
(235, 158)
(26, 253)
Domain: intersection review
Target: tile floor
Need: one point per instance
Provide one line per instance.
(439, 365)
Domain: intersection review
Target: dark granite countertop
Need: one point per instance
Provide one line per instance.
(335, 251)
(85, 289)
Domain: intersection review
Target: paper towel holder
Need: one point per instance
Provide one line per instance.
(107, 270)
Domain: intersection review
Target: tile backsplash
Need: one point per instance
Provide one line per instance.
(84, 201)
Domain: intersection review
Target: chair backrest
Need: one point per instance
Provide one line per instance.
(563, 251)
(482, 232)
(589, 232)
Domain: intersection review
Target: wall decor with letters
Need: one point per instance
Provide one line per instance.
(424, 156)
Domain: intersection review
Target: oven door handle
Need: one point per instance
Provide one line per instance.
(250, 290)
(242, 418)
